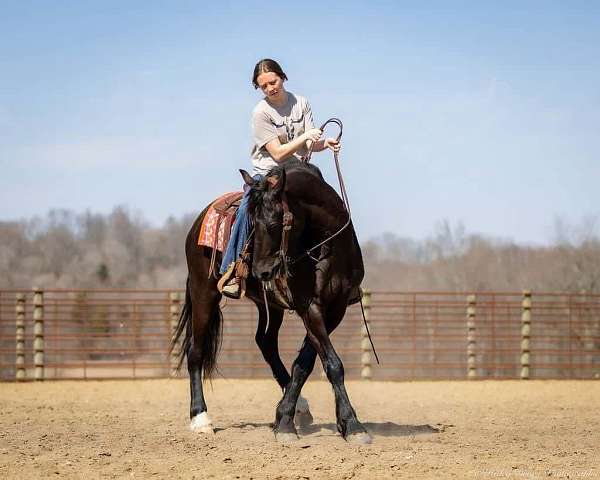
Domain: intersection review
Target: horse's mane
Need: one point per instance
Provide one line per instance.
(294, 164)
(260, 193)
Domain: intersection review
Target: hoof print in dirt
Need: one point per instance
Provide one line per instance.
(286, 437)
(362, 438)
(207, 430)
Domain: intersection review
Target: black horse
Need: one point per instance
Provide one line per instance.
(318, 285)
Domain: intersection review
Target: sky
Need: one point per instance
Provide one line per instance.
(480, 113)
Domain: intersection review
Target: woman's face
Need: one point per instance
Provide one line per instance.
(271, 85)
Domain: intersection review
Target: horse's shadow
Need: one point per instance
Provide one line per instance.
(380, 429)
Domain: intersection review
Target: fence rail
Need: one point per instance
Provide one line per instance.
(57, 334)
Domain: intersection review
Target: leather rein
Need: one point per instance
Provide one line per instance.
(344, 195)
(288, 220)
(288, 217)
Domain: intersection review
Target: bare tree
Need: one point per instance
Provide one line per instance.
(122, 250)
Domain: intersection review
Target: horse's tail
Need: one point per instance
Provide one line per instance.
(212, 342)
(184, 324)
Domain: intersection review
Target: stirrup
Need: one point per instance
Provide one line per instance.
(222, 284)
(233, 289)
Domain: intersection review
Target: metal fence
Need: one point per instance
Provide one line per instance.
(58, 334)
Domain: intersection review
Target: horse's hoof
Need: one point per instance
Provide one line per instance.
(303, 419)
(361, 438)
(286, 437)
(202, 423)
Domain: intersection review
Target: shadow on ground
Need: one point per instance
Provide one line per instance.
(383, 429)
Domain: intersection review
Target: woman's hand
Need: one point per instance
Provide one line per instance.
(332, 144)
(312, 135)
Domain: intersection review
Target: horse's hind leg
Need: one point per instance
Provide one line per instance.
(201, 354)
(267, 341)
(288, 408)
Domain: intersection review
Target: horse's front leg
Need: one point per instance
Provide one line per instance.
(267, 341)
(317, 340)
(318, 333)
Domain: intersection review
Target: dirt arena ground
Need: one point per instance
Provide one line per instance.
(139, 429)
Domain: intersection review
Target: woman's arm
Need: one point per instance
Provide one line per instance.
(280, 152)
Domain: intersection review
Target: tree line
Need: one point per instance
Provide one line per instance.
(66, 249)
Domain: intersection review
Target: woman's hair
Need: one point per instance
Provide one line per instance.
(267, 65)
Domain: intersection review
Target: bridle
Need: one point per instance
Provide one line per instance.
(288, 222)
(284, 260)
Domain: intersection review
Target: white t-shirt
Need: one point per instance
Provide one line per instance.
(286, 123)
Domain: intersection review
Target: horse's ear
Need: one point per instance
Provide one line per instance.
(277, 181)
(247, 178)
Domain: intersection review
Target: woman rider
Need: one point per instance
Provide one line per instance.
(282, 127)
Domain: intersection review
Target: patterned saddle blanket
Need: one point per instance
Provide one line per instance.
(216, 226)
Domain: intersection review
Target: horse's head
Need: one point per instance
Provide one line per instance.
(267, 209)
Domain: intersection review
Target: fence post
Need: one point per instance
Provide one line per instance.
(20, 337)
(366, 373)
(38, 333)
(525, 334)
(471, 342)
(174, 311)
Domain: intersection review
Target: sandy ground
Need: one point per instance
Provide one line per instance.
(139, 429)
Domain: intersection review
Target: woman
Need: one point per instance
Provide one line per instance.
(282, 127)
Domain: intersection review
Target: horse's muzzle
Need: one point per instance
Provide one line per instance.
(267, 270)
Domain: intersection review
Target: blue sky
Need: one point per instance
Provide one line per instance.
(477, 113)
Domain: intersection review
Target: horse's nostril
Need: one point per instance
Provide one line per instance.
(265, 276)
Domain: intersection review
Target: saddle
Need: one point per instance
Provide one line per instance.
(216, 226)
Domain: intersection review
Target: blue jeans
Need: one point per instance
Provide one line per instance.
(239, 232)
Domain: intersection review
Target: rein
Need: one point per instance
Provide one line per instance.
(288, 219)
(343, 192)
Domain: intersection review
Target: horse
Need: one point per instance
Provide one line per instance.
(317, 264)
